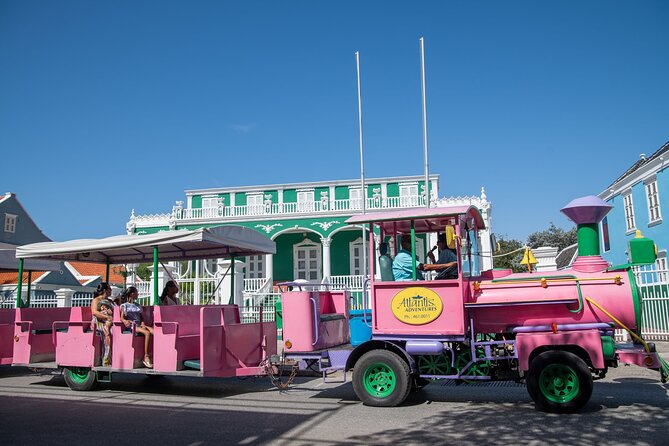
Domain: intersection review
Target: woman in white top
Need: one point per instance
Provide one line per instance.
(169, 295)
(131, 315)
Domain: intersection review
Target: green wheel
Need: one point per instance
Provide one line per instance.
(559, 381)
(381, 378)
(481, 368)
(435, 364)
(80, 378)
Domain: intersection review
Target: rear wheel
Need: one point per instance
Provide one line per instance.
(559, 382)
(381, 378)
(80, 378)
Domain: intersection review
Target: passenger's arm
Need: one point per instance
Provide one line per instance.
(98, 314)
(123, 319)
(436, 266)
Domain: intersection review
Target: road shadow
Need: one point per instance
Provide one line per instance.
(174, 385)
(47, 421)
(506, 415)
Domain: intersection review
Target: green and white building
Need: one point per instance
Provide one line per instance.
(307, 222)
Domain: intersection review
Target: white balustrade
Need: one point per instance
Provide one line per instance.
(351, 283)
(281, 208)
(251, 285)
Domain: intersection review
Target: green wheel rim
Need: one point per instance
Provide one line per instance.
(481, 368)
(379, 380)
(435, 364)
(78, 374)
(559, 383)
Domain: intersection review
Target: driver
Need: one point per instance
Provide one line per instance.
(447, 263)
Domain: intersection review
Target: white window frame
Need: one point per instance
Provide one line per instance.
(661, 267)
(305, 200)
(628, 204)
(601, 234)
(409, 194)
(307, 243)
(254, 203)
(210, 201)
(351, 250)
(355, 197)
(255, 267)
(653, 200)
(10, 223)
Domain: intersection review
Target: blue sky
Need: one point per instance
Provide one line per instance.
(110, 106)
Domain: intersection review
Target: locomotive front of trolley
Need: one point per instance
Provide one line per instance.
(554, 330)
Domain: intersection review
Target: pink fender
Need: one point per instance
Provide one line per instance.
(588, 340)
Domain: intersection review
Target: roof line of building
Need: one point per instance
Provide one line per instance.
(368, 182)
(641, 162)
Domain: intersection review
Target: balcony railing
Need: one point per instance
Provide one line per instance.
(294, 208)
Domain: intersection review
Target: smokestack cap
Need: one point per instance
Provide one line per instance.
(585, 210)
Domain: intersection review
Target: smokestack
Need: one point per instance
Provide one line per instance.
(587, 212)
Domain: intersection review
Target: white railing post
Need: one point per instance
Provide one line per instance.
(196, 284)
(546, 256)
(64, 297)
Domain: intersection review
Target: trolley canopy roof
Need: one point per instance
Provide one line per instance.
(425, 219)
(9, 263)
(184, 244)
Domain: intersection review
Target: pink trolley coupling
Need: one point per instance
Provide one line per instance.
(554, 330)
(188, 340)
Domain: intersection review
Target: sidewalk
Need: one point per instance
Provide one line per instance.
(662, 347)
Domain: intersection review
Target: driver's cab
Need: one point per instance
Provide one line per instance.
(415, 305)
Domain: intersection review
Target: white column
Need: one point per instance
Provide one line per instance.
(64, 297)
(269, 266)
(225, 287)
(326, 257)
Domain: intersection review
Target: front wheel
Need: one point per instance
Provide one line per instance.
(381, 378)
(80, 378)
(559, 382)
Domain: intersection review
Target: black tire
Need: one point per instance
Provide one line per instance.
(80, 378)
(559, 382)
(388, 380)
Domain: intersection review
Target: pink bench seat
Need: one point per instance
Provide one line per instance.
(176, 336)
(127, 344)
(314, 320)
(77, 345)
(34, 336)
(7, 317)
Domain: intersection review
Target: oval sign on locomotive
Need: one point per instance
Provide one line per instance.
(416, 305)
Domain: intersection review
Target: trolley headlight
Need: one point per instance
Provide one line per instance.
(288, 344)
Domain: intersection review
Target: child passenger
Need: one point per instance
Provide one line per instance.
(131, 314)
(102, 310)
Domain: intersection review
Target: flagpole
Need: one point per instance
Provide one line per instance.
(362, 170)
(422, 77)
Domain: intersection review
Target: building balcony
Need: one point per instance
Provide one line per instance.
(182, 215)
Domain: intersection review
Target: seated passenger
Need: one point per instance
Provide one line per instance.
(169, 294)
(131, 314)
(447, 263)
(403, 263)
(102, 310)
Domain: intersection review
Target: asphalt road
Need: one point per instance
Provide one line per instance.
(630, 406)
